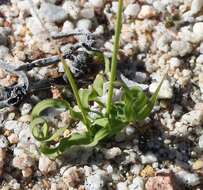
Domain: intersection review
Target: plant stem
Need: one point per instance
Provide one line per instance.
(75, 92)
(114, 56)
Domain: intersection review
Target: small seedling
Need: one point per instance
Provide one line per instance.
(106, 121)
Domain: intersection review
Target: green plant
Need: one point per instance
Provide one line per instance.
(104, 122)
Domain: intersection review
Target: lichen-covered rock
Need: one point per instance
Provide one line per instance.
(3, 141)
(196, 6)
(52, 13)
(137, 184)
(148, 158)
(197, 28)
(96, 181)
(73, 176)
(147, 11)
(166, 91)
(97, 3)
(23, 161)
(181, 48)
(163, 181)
(72, 9)
(122, 186)
(187, 178)
(112, 153)
(132, 10)
(46, 165)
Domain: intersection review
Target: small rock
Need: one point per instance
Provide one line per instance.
(122, 186)
(177, 111)
(112, 153)
(147, 11)
(129, 130)
(132, 10)
(196, 6)
(136, 168)
(109, 169)
(25, 136)
(52, 13)
(37, 187)
(18, 151)
(198, 164)
(137, 184)
(73, 176)
(161, 182)
(131, 83)
(72, 9)
(13, 184)
(189, 179)
(165, 92)
(197, 31)
(24, 6)
(4, 51)
(99, 30)
(11, 116)
(95, 181)
(3, 142)
(193, 118)
(200, 143)
(114, 7)
(46, 165)
(23, 161)
(68, 27)
(199, 59)
(163, 42)
(13, 138)
(174, 62)
(27, 172)
(25, 118)
(180, 129)
(97, 3)
(84, 24)
(87, 13)
(159, 5)
(148, 158)
(141, 77)
(26, 108)
(34, 26)
(148, 171)
(87, 170)
(181, 48)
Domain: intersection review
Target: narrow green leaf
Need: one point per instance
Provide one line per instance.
(65, 144)
(107, 65)
(40, 134)
(135, 100)
(100, 135)
(49, 103)
(103, 122)
(84, 96)
(75, 139)
(98, 84)
(76, 115)
(56, 134)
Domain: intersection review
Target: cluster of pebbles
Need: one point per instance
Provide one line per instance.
(163, 153)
